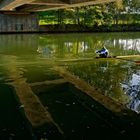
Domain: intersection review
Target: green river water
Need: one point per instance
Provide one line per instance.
(32, 57)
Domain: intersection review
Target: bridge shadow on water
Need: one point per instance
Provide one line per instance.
(80, 117)
(75, 114)
(13, 123)
(72, 112)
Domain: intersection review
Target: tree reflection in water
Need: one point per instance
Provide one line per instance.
(119, 80)
(132, 89)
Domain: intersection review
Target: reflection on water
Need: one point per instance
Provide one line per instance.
(118, 80)
(69, 45)
(31, 57)
(84, 45)
(26, 61)
(133, 44)
(131, 87)
(105, 75)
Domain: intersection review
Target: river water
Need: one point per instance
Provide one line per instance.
(31, 58)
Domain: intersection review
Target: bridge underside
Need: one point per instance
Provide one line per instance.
(20, 15)
(44, 5)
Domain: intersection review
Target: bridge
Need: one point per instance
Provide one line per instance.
(20, 15)
(43, 5)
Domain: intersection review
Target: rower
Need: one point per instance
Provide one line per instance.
(103, 53)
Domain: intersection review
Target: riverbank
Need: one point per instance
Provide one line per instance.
(74, 28)
(64, 28)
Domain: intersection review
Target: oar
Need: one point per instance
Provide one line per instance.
(91, 59)
(128, 56)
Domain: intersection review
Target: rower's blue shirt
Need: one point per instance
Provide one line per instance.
(103, 51)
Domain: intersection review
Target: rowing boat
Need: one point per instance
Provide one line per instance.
(126, 58)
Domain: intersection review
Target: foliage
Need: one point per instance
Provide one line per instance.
(118, 12)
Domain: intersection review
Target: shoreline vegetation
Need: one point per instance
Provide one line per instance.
(118, 16)
(66, 28)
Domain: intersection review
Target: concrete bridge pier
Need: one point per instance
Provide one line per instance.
(16, 22)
